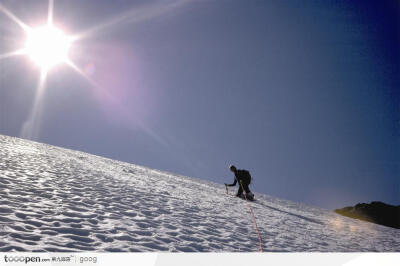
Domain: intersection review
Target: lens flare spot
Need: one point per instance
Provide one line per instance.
(90, 69)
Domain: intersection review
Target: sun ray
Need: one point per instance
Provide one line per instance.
(140, 123)
(80, 72)
(132, 16)
(14, 18)
(152, 133)
(50, 13)
(12, 54)
(31, 127)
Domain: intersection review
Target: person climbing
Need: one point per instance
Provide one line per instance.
(242, 177)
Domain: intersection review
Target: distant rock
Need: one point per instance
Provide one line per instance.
(375, 212)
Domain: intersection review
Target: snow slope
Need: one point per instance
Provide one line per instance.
(54, 199)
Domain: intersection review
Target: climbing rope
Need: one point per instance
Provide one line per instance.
(252, 216)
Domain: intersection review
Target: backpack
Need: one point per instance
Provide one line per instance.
(244, 175)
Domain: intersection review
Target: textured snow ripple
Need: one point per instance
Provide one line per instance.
(54, 199)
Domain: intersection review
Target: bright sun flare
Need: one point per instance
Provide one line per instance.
(47, 46)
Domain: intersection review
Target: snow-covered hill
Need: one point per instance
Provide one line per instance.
(54, 199)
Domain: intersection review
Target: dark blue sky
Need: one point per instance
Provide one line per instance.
(304, 94)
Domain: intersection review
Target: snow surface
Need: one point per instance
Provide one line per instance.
(55, 199)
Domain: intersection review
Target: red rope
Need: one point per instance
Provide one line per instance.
(252, 216)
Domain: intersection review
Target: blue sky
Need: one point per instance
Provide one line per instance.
(303, 94)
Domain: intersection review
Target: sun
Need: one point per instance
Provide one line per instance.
(47, 46)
